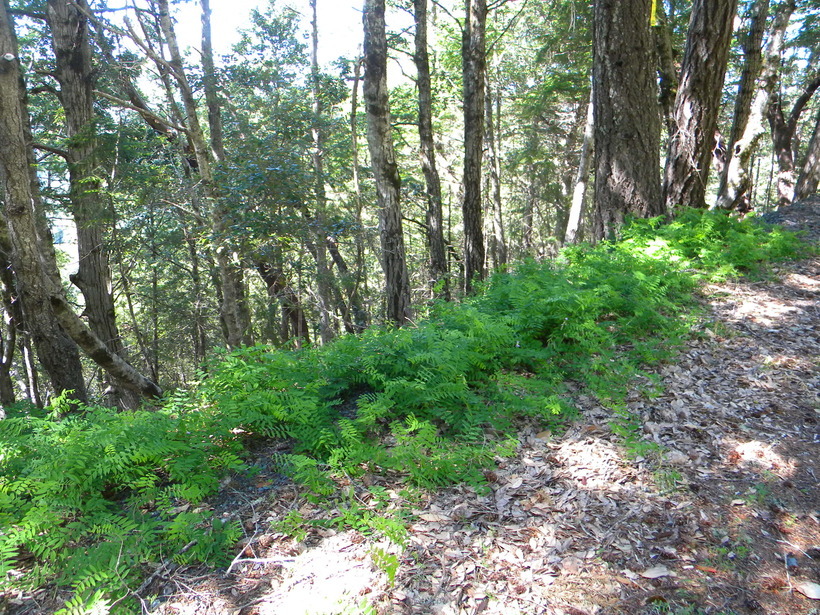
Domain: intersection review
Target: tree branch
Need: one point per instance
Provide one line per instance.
(803, 100)
(145, 113)
(54, 150)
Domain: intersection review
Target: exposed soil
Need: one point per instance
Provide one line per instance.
(727, 520)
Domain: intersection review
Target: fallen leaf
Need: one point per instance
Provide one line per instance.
(656, 572)
(808, 589)
(434, 517)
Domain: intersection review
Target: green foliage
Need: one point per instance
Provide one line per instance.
(90, 495)
(715, 244)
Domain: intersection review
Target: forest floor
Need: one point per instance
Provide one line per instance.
(724, 520)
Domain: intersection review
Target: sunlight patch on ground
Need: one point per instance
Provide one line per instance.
(762, 454)
(330, 578)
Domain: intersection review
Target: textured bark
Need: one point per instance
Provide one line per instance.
(45, 308)
(667, 71)
(733, 192)
(698, 103)
(383, 160)
(783, 130)
(439, 279)
(13, 321)
(809, 177)
(579, 192)
(473, 60)
(627, 122)
(56, 352)
(233, 306)
(75, 74)
(752, 44)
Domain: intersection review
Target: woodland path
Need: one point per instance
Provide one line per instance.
(727, 521)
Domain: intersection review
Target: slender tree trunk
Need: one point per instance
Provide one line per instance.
(493, 146)
(627, 122)
(576, 212)
(294, 323)
(474, 59)
(733, 192)
(361, 263)
(697, 103)
(324, 283)
(209, 82)
(12, 322)
(233, 309)
(383, 159)
(667, 71)
(74, 72)
(439, 280)
(752, 45)
(809, 177)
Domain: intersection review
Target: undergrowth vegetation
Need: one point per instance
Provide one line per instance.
(92, 499)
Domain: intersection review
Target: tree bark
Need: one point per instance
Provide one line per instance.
(294, 324)
(383, 160)
(783, 130)
(58, 355)
(667, 71)
(733, 192)
(809, 177)
(75, 74)
(473, 59)
(324, 283)
(209, 83)
(697, 103)
(493, 145)
(576, 212)
(627, 122)
(439, 279)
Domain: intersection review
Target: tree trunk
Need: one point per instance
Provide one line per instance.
(733, 192)
(474, 59)
(493, 146)
(57, 353)
(324, 283)
(294, 323)
(74, 72)
(783, 130)
(627, 122)
(435, 218)
(698, 103)
(45, 308)
(667, 71)
(383, 160)
(209, 83)
(233, 308)
(809, 177)
(579, 192)
(13, 321)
